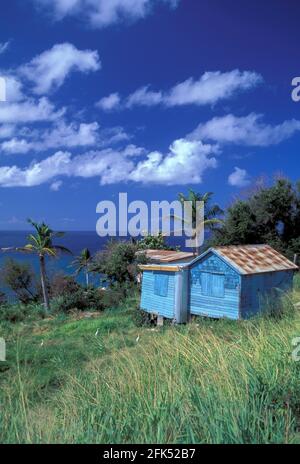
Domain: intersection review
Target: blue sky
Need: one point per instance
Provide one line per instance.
(149, 97)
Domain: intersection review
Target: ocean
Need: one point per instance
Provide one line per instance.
(74, 240)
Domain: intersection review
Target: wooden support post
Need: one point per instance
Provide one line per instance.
(160, 321)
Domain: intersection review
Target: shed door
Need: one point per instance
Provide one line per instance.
(212, 284)
(161, 282)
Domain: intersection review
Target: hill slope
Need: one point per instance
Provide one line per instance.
(208, 382)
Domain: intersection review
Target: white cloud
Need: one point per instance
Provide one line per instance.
(239, 178)
(102, 13)
(247, 130)
(184, 164)
(104, 164)
(15, 145)
(35, 174)
(29, 111)
(61, 135)
(210, 88)
(144, 97)
(4, 47)
(6, 131)
(14, 92)
(49, 70)
(55, 186)
(109, 103)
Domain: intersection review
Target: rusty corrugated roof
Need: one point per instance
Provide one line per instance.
(167, 256)
(254, 259)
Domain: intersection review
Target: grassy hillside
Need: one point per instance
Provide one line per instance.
(208, 382)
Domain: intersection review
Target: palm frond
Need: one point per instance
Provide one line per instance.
(61, 249)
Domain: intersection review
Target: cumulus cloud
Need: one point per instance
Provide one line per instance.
(144, 97)
(55, 186)
(29, 111)
(210, 88)
(49, 70)
(6, 131)
(247, 130)
(185, 163)
(102, 13)
(62, 135)
(110, 102)
(103, 164)
(239, 178)
(14, 91)
(4, 47)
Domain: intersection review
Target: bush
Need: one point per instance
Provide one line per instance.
(154, 242)
(141, 318)
(3, 299)
(80, 300)
(112, 297)
(63, 285)
(20, 279)
(20, 312)
(119, 262)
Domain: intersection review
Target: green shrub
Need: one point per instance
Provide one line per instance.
(3, 299)
(80, 300)
(62, 284)
(154, 242)
(119, 262)
(20, 279)
(20, 312)
(112, 297)
(141, 318)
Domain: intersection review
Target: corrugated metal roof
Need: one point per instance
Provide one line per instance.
(255, 259)
(167, 256)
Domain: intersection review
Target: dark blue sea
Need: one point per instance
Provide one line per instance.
(75, 241)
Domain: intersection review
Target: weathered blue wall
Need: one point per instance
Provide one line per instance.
(158, 293)
(214, 288)
(257, 288)
(210, 287)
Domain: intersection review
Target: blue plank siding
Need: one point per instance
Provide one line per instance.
(257, 288)
(214, 288)
(158, 293)
(213, 285)
(161, 284)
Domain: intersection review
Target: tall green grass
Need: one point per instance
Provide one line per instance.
(207, 382)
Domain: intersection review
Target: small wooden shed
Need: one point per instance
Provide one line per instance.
(231, 282)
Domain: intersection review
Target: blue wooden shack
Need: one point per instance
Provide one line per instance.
(224, 282)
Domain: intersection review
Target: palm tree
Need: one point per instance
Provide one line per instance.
(83, 263)
(41, 244)
(211, 213)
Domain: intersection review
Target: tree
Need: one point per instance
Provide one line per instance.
(118, 262)
(20, 279)
(41, 244)
(154, 242)
(269, 215)
(82, 263)
(211, 213)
